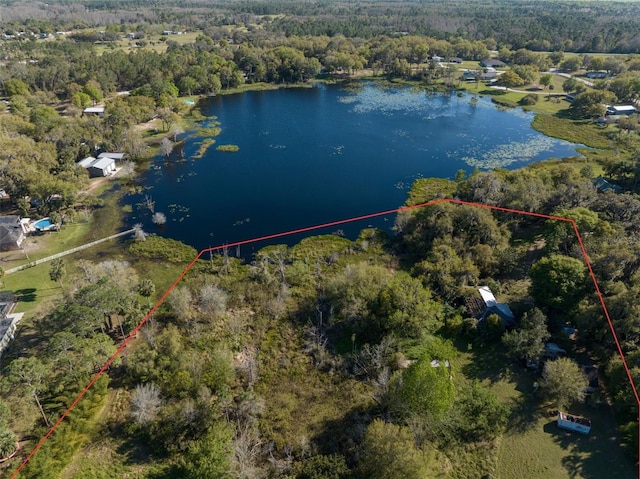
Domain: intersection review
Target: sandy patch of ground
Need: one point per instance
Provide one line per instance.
(154, 124)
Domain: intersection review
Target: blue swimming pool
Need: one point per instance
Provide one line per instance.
(43, 224)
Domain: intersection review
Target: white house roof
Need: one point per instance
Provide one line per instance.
(94, 109)
(103, 163)
(100, 162)
(87, 162)
(115, 156)
(625, 108)
(487, 296)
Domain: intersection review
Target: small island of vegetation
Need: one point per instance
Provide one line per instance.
(228, 148)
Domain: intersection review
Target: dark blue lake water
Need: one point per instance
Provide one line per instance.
(314, 155)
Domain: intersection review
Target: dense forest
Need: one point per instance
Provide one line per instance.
(577, 26)
(333, 358)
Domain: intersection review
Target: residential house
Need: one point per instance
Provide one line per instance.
(603, 185)
(12, 232)
(116, 156)
(488, 74)
(621, 110)
(492, 63)
(492, 306)
(8, 320)
(98, 167)
(596, 75)
(471, 75)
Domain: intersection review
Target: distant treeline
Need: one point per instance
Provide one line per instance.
(543, 26)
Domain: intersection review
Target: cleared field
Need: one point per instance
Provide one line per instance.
(157, 43)
(533, 447)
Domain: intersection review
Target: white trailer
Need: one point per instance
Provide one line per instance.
(574, 423)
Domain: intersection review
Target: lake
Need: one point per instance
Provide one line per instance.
(315, 155)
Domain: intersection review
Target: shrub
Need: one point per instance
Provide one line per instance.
(530, 99)
(7, 442)
(156, 247)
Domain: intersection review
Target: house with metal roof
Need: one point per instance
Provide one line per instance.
(98, 167)
(492, 63)
(502, 310)
(115, 155)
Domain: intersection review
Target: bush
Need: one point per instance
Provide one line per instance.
(530, 99)
(157, 247)
(7, 443)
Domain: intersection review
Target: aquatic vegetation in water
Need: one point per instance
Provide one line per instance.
(228, 148)
(209, 131)
(173, 208)
(394, 100)
(241, 222)
(404, 100)
(204, 146)
(507, 154)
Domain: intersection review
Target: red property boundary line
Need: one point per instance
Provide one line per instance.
(135, 331)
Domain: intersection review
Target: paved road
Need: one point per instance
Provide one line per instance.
(65, 253)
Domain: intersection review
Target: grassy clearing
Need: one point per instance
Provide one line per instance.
(34, 289)
(577, 131)
(549, 104)
(39, 246)
(533, 446)
(156, 43)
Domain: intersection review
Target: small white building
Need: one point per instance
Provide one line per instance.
(574, 423)
(97, 167)
(94, 110)
(621, 110)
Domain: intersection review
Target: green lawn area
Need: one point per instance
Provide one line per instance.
(45, 244)
(32, 286)
(577, 131)
(533, 446)
(157, 43)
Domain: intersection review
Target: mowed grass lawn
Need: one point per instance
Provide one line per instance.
(533, 447)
